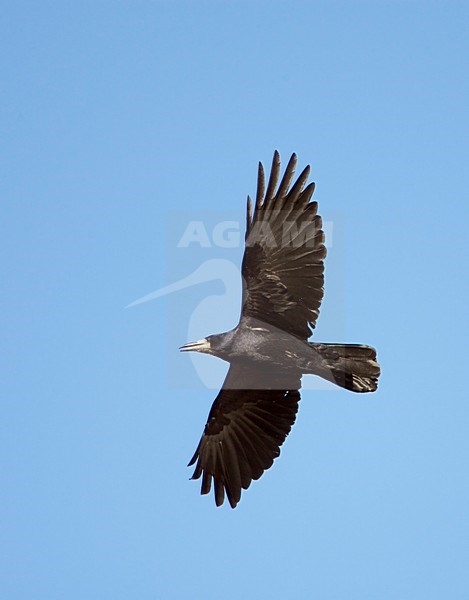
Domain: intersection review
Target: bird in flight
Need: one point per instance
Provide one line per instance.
(268, 351)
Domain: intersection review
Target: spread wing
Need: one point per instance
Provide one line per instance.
(283, 264)
(244, 432)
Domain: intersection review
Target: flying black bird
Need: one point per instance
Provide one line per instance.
(268, 351)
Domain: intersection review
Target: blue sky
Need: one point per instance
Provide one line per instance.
(121, 122)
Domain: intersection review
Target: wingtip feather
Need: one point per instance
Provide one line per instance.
(248, 215)
(273, 179)
(260, 186)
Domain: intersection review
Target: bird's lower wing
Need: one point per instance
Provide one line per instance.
(243, 434)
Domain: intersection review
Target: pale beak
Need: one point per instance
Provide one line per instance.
(199, 346)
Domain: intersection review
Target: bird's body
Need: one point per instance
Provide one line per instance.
(269, 350)
(257, 342)
(270, 347)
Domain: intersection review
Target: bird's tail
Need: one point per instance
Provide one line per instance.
(352, 366)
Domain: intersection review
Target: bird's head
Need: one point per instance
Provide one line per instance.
(217, 345)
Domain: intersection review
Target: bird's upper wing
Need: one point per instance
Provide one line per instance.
(283, 264)
(245, 428)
